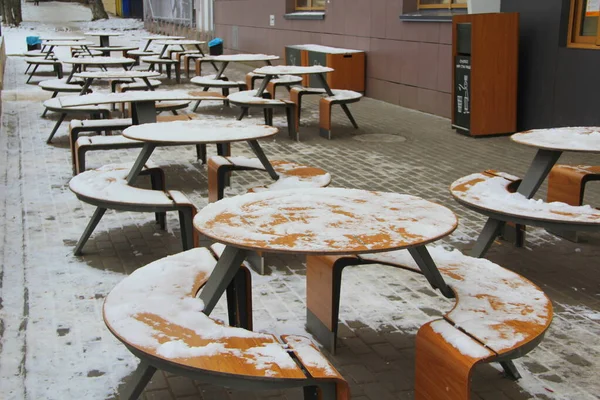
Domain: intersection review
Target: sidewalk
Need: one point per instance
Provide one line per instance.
(54, 343)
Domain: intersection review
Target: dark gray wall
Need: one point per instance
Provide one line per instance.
(558, 86)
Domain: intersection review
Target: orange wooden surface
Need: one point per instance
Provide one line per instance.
(319, 288)
(494, 71)
(566, 183)
(349, 71)
(324, 114)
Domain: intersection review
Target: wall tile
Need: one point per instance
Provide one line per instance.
(444, 83)
(427, 62)
(408, 96)
(383, 90)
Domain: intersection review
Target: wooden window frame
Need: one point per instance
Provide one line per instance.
(575, 39)
(448, 6)
(309, 8)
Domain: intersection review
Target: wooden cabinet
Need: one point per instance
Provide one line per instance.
(485, 73)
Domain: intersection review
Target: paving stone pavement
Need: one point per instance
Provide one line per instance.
(395, 149)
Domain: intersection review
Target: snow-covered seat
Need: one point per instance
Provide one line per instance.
(247, 99)
(107, 188)
(137, 84)
(54, 105)
(341, 97)
(291, 175)
(286, 81)
(498, 316)
(209, 81)
(494, 194)
(57, 86)
(37, 61)
(198, 60)
(156, 313)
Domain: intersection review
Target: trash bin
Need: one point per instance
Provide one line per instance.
(462, 77)
(215, 47)
(33, 43)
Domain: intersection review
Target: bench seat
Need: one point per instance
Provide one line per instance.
(107, 188)
(87, 143)
(102, 111)
(493, 193)
(139, 312)
(291, 175)
(286, 81)
(167, 62)
(61, 85)
(341, 97)
(498, 316)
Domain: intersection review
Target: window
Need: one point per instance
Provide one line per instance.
(310, 5)
(425, 4)
(583, 24)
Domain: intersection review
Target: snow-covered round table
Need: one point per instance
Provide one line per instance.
(89, 77)
(102, 62)
(104, 36)
(329, 221)
(551, 143)
(197, 132)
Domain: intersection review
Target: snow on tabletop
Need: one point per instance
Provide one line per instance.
(244, 57)
(249, 96)
(99, 60)
(59, 83)
(292, 70)
(198, 131)
(125, 97)
(61, 38)
(211, 80)
(116, 74)
(155, 309)
(70, 43)
(163, 37)
(182, 42)
(110, 183)
(461, 342)
(102, 33)
(325, 49)
(497, 306)
(490, 193)
(325, 220)
(345, 94)
(287, 79)
(567, 138)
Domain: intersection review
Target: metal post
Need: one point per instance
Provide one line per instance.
(263, 159)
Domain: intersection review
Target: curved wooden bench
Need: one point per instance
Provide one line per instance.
(296, 94)
(498, 316)
(139, 311)
(107, 188)
(566, 184)
(494, 194)
(291, 175)
(342, 97)
(101, 111)
(247, 99)
(208, 81)
(287, 81)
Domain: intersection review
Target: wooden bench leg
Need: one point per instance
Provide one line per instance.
(441, 370)
(325, 118)
(296, 97)
(201, 153)
(89, 229)
(80, 159)
(56, 126)
(188, 235)
(290, 112)
(239, 300)
(157, 182)
(139, 381)
(178, 73)
(323, 287)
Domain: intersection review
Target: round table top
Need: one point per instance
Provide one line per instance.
(62, 38)
(102, 33)
(99, 60)
(580, 139)
(199, 132)
(244, 57)
(163, 37)
(135, 96)
(292, 70)
(178, 42)
(325, 221)
(70, 43)
(116, 74)
(115, 48)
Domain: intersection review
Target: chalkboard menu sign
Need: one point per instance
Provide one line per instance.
(462, 90)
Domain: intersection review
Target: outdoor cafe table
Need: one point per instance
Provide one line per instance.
(551, 143)
(143, 107)
(329, 221)
(107, 49)
(229, 58)
(65, 43)
(150, 39)
(181, 43)
(89, 77)
(104, 37)
(197, 132)
(102, 62)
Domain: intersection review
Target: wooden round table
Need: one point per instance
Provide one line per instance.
(330, 221)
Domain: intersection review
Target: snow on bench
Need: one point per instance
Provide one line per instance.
(155, 311)
(491, 191)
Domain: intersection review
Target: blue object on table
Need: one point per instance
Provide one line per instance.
(33, 42)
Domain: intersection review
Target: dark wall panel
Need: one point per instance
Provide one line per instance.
(557, 85)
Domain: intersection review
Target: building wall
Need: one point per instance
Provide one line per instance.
(557, 85)
(408, 63)
(110, 6)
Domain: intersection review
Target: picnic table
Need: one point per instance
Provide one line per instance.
(150, 39)
(65, 43)
(89, 77)
(104, 36)
(107, 49)
(181, 43)
(328, 221)
(197, 132)
(551, 143)
(62, 38)
(102, 62)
